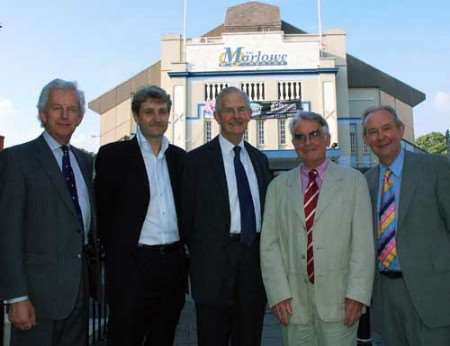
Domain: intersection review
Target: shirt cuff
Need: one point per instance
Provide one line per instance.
(16, 300)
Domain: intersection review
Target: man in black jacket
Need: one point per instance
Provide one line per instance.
(138, 189)
(223, 197)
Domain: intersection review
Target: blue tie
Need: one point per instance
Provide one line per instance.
(248, 219)
(69, 177)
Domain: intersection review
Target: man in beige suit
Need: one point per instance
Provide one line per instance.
(317, 254)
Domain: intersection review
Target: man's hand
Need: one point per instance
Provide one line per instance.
(283, 311)
(22, 315)
(353, 311)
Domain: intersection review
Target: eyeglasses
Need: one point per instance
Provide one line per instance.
(312, 136)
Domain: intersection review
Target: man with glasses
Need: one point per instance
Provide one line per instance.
(316, 245)
(411, 207)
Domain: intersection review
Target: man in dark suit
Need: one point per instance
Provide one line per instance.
(137, 187)
(223, 197)
(411, 207)
(46, 217)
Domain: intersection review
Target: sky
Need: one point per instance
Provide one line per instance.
(102, 43)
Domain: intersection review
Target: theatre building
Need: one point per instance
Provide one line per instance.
(280, 67)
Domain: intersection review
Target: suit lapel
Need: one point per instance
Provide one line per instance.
(330, 185)
(408, 186)
(137, 161)
(295, 194)
(86, 171)
(373, 181)
(82, 163)
(173, 169)
(218, 169)
(259, 173)
(49, 164)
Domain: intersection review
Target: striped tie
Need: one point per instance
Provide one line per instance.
(310, 202)
(387, 249)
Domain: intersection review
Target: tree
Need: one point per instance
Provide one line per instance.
(433, 142)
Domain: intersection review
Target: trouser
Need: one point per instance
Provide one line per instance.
(238, 318)
(71, 331)
(318, 332)
(146, 312)
(397, 320)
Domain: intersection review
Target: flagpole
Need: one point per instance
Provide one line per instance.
(319, 24)
(184, 28)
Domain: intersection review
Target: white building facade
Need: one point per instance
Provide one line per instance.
(280, 67)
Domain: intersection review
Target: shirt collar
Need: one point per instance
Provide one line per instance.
(52, 143)
(146, 147)
(396, 166)
(227, 147)
(321, 170)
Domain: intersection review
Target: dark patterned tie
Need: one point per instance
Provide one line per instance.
(248, 218)
(311, 197)
(69, 177)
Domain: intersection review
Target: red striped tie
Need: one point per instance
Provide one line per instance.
(310, 201)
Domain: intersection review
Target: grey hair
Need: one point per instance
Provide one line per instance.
(227, 91)
(149, 92)
(385, 108)
(64, 85)
(311, 116)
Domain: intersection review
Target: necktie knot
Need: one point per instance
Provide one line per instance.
(313, 174)
(65, 149)
(387, 173)
(237, 150)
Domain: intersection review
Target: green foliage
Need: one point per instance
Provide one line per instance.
(433, 142)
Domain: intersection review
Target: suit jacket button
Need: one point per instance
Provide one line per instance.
(79, 255)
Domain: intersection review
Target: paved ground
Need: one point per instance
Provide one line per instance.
(187, 334)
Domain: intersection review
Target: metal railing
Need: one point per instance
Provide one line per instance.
(98, 322)
(2, 321)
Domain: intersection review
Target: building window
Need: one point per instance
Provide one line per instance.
(365, 149)
(254, 90)
(289, 90)
(213, 89)
(207, 130)
(353, 139)
(282, 131)
(260, 132)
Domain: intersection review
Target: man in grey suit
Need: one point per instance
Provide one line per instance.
(46, 217)
(411, 207)
(316, 243)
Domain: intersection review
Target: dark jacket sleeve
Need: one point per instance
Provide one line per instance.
(13, 195)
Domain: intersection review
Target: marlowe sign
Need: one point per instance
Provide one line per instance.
(242, 57)
(252, 55)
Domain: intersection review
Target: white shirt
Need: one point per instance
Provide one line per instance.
(160, 224)
(228, 162)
